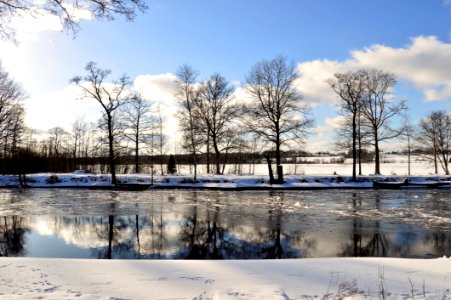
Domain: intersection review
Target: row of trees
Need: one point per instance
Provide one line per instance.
(210, 117)
(214, 125)
(367, 103)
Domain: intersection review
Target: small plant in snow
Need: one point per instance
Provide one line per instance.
(381, 283)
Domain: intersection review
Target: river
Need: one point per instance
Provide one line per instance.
(200, 224)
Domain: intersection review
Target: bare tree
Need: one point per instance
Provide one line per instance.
(160, 124)
(187, 93)
(67, 11)
(350, 89)
(435, 134)
(217, 112)
(276, 112)
(12, 125)
(344, 137)
(379, 107)
(57, 140)
(138, 122)
(408, 132)
(11, 97)
(110, 97)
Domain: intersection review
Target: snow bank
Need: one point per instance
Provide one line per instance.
(330, 278)
(73, 180)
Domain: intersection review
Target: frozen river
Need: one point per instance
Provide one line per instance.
(190, 224)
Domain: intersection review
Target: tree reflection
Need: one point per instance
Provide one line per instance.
(203, 239)
(12, 236)
(372, 243)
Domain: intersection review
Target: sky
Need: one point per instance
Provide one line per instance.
(411, 38)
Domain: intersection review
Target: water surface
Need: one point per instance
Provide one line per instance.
(190, 224)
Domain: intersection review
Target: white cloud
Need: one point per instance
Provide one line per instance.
(424, 62)
(60, 108)
(159, 89)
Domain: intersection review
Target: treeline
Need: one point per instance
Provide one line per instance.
(216, 128)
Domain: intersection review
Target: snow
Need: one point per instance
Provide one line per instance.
(74, 180)
(357, 278)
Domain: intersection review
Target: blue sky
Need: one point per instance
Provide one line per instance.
(229, 37)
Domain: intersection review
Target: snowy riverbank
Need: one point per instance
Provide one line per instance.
(328, 278)
(81, 180)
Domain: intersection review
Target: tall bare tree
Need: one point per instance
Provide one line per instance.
(379, 107)
(68, 11)
(344, 138)
(57, 140)
(276, 112)
(435, 136)
(160, 124)
(217, 112)
(187, 93)
(110, 96)
(350, 89)
(12, 114)
(138, 122)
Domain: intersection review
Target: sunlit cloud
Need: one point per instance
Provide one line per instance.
(424, 63)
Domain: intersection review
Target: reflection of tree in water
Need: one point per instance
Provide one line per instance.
(276, 247)
(209, 239)
(12, 236)
(440, 242)
(111, 230)
(372, 244)
(202, 239)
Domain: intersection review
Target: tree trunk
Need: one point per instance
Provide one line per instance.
(217, 156)
(111, 150)
(280, 174)
(278, 158)
(208, 154)
(435, 160)
(377, 170)
(136, 154)
(271, 175)
(354, 148)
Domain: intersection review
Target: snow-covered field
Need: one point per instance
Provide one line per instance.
(331, 278)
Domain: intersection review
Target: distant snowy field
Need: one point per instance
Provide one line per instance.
(390, 165)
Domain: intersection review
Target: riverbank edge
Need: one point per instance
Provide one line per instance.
(138, 182)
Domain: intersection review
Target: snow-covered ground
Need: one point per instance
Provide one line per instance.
(331, 278)
(78, 179)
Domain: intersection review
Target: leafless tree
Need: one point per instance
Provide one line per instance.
(217, 111)
(78, 137)
(187, 93)
(408, 133)
(11, 97)
(57, 140)
(68, 11)
(160, 124)
(276, 112)
(435, 134)
(350, 89)
(11, 114)
(379, 107)
(110, 97)
(138, 123)
(344, 137)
